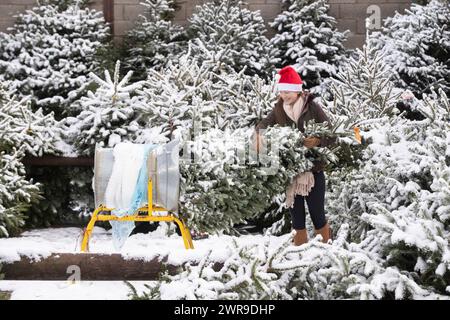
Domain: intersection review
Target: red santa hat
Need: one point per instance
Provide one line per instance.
(289, 80)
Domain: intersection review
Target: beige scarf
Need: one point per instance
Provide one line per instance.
(303, 182)
(293, 111)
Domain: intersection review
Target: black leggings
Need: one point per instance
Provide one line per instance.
(316, 205)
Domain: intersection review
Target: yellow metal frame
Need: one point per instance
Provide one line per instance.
(185, 233)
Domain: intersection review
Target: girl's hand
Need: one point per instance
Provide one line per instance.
(310, 142)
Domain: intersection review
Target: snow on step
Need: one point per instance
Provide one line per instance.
(42, 243)
(63, 290)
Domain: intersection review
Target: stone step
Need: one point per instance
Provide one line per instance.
(90, 266)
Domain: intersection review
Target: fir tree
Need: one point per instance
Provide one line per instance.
(230, 36)
(107, 116)
(416, 46)
(36, 135)
(363, 92)
(20, 127)
(49, 53)
(17, 194)
(155, 40)
(397, 194)
(222, 186)
(307, 38)
(312, 271)
(364, 89)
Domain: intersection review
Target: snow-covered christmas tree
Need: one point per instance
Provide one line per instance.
(281, 271)
(108, 115)
(307, 38)
(364, 96)
(364, 88)
(192, 90)
(396, 201)
(17, 194)
(228, 35)
(20, 127)
(50, 51)
(21, 132)
(35, 134)
(416, 46)
(225, 184)
(363, 92)
(155, 40)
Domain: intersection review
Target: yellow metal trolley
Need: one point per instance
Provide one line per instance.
(99, 215)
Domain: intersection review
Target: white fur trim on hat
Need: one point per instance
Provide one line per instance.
(289, 87)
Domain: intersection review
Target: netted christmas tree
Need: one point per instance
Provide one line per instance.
(416, 46)
(231, 37)
(49, 52)
(307, 38)
(155, 40)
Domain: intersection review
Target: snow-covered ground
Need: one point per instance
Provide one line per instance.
(42, 243)
(63, 290)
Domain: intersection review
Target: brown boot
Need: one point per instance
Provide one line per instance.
(300, 237)
(325, 231)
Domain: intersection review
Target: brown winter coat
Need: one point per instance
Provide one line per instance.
(311, 110)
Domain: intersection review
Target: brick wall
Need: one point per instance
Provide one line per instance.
(9, 8)
(350, 14)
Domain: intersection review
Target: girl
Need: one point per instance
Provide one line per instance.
(297, 106)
